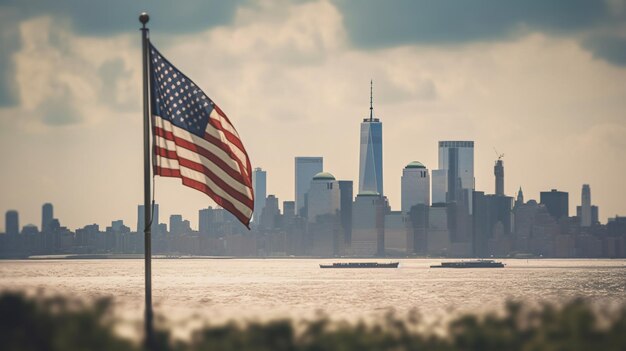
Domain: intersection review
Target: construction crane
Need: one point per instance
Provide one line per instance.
(500, 156)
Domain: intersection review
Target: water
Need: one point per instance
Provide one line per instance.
(217, 290)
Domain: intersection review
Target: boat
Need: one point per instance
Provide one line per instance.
(470, 264)
(361, 265)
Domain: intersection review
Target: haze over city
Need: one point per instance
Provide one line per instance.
(546, 88)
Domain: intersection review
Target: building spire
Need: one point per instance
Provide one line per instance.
(371, 100)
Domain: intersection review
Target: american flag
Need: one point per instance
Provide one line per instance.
(195, 141)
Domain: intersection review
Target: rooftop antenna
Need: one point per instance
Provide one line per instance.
(500, 156)
(371, 100)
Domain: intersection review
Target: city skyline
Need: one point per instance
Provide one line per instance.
(544, 87)
(318, 169)
(442, 162)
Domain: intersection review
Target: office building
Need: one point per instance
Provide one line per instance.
(454, 181)
(47, 215)
(438, 234)
(415, 186)
(270, 213)
(289, 209)
(371, 153)
(397, 234)
(323, 236)
(205, 221)
(594, 214)
(556, 202)
(439, 185)
(323, 196)
(492, 224)
(117, 225)
(306, 168)
(178, 225)
(418, 223)
(368, 214)
(259, 183)
(12, 223)
(585, 207)
(346, 190)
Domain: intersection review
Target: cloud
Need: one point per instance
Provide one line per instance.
(372, 23)
(368, 24)
(120, 16)
(104, 19)
(62, 77)
(115, 90)
(606, 47)
(9, 43)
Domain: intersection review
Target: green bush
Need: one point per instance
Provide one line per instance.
(57, 323)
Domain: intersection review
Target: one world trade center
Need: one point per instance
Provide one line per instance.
(371, 157)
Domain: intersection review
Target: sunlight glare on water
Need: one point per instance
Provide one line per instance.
(241, 289)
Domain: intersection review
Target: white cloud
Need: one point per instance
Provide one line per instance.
(58, 77)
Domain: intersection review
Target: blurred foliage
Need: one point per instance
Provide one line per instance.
(57, 323)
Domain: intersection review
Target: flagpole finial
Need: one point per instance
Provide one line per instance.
(144, 18)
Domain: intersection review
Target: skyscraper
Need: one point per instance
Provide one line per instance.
(176, 224)
(259, 183)
(346, 190)
(498, 171)
(289, 208)
(492, 224)
(439, 184)
(270, 213)
(12, 223)
(206, 217)
(368, 225)
(47, 215)
(556, 202)
(306, 168)
(585, 215)
(324, 196)
(415, 186)
(455, 178)
(371, 153)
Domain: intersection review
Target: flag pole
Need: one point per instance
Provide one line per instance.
(147, 209)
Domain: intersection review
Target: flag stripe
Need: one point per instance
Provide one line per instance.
(206, 146)
(214, 130)
(211, 144)
(192, 183)
(202, 178)
(232, 138)
(209, 151)
(198, 163)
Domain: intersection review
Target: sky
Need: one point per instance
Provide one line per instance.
(541, 81)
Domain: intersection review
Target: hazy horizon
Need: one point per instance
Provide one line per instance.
(543, 84)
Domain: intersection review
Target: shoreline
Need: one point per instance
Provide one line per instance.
(196, 257)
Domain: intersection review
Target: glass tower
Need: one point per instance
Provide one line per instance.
(259, 184)
(306, 168)
(47, 215)
(371, 154)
